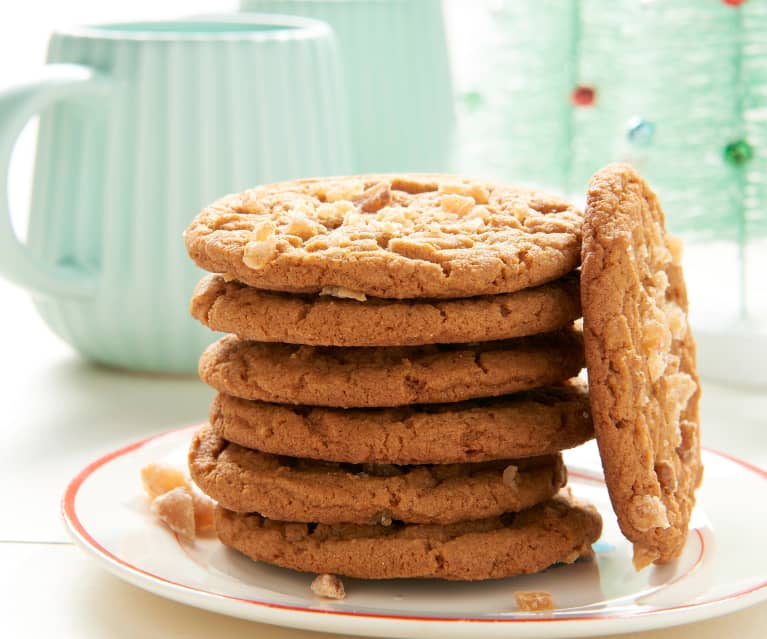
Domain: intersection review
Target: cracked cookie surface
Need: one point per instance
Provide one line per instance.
(389, 376)
(557, 531)
(389, 236)
(640, 356)
(538, 422)
(292, 489)
(265, 316)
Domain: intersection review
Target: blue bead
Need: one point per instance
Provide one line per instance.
(640, 131)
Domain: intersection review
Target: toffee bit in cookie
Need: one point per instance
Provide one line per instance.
(458, 204)
(261, 247)
(159, 479)
(643, 557)
(648, 511)
(343, 293)
(510, 475)
(344, 190)
(666, 476)
(331, 214)
(328, 586)
(534, 601)
(301, 227)
(176, 510)
(374, 198)
(478, 192)
(688, 447)
(680, 387)
(676, 248)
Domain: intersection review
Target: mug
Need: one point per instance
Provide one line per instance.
(398, 78)
(141, 125)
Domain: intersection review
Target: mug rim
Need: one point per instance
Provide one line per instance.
(287, 28)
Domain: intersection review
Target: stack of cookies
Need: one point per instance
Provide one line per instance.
(399, 376)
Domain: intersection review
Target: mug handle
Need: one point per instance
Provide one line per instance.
(17, 105)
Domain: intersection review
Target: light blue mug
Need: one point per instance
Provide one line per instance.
(141, 125)
(398, 78)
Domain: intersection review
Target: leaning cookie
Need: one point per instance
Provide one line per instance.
(389, 376)
(291, 489)
(392, 236)
(640, 356)
(330, 320)
(538, 422)
(557, 531)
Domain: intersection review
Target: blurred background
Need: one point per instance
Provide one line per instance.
(541, 92)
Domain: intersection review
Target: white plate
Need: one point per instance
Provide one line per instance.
(721, 569)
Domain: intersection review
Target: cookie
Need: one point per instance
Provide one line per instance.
(391, 236)
(539, 422)
(233, 307)
(388, 376)
(557, 531)
(640, 356)
(291, 489)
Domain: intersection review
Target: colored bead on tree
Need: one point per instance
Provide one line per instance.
(583, 96)
(640, 131)
(738, 153)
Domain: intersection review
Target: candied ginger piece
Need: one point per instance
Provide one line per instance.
(159, 479)
(176, 510)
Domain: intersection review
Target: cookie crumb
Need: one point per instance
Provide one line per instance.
(328, 586)
(534, 601)
(176, 510)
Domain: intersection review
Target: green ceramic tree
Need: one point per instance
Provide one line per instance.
(554, 89)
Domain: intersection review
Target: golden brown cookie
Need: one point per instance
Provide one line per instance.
(391, 236)
(557, 531)
(539, 422)
(291, 489)
(640, 357)
(265, 316)
(389, 376)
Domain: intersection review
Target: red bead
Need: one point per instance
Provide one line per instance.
(583, 96)
(734, 3)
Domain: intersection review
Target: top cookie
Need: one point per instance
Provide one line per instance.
(640, 357)
(391, 236)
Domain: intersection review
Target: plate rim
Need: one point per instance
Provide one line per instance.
(158, 584)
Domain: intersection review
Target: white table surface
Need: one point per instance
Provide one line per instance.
(61, 412)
